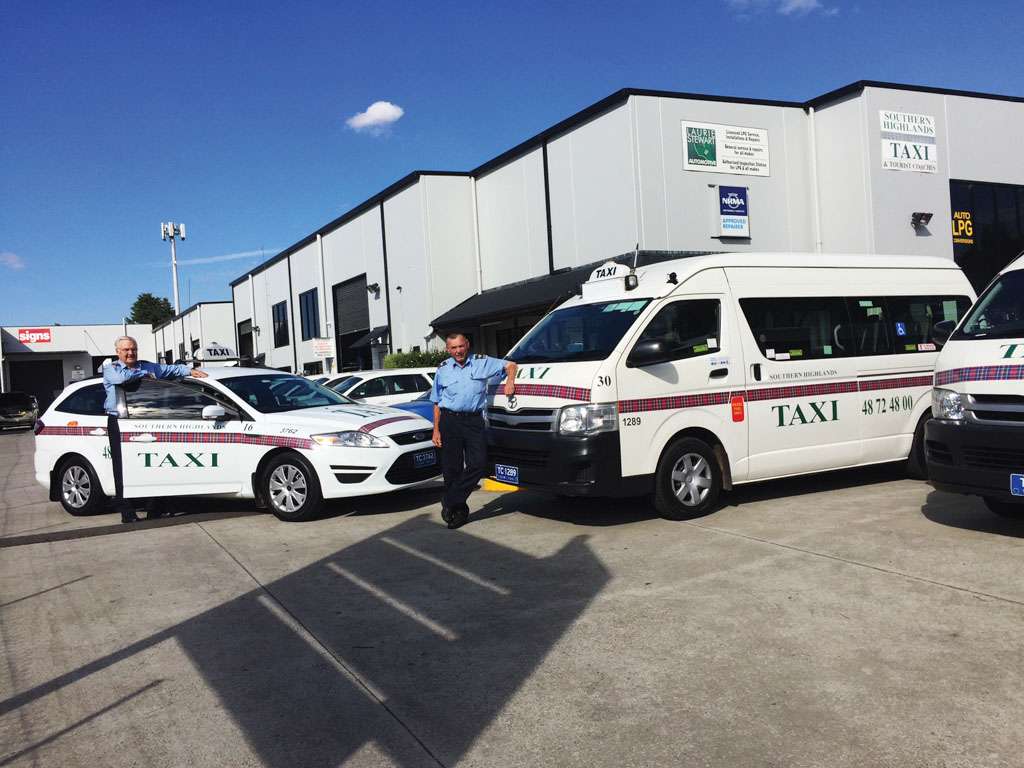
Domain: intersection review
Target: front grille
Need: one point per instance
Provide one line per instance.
(405, 471)
(938, 452)
(999, 408)
(981, 457)
(411, 438)
(351, 477)
(517, 457)
(526, 419)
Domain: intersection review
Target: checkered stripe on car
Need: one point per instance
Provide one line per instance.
(74, 431)
(236, 438)
(381, 422)
(546, 390)
(980, 373)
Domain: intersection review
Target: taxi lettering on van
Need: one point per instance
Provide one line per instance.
(532, 373)
(188, 460)
(789, 415)
(1012, 350)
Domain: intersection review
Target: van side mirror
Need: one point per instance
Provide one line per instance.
(214, 412)
(646, 353)
(942, 330)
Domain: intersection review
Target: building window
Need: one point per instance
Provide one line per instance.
(310, 312)
(280, 313)
(310, 369)
(195, 346)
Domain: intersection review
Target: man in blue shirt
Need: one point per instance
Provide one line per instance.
(125, 369)
(459, 396)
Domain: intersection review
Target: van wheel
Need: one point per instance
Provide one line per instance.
(78, 488)
(1013, 510)
(688, 481)
(917, 469)
(291, 488)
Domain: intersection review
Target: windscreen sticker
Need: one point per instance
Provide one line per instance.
(910, 347)
(826, 349)
(796, 353)
(901, 329)
(782, 356)
(926, 347)
(700, 348)
(770, 354)
(712, 342)
(874, 312)
(625, 306)
(949, 310)
(866, 303)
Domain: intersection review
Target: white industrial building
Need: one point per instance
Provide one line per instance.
(868, 168)
(196, 328)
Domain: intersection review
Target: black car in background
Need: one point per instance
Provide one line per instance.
(18, 410)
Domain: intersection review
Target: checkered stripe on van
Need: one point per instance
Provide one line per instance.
(381, 422)
(874, 385)
(980, 373)
(674, 402)
(546, 390)
(220, 438)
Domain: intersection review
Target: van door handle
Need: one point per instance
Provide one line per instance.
(755, 370)
(143, 438)
(719, 373)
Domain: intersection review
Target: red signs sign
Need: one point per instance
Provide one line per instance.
(34, 335)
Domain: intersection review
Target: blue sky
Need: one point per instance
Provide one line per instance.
(232, 117)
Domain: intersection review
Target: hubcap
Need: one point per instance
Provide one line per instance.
(287, 488)
(691, 479)
(76, 487)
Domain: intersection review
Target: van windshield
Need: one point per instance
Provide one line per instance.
(587, 332)
(999, 313)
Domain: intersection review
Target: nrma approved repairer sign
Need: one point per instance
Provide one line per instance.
(714, 148)
(733, 212)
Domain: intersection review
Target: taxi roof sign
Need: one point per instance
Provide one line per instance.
(608, 271)
(215, 351)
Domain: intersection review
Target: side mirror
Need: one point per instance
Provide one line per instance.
(647, 353)
(214, 412)
(942, 330)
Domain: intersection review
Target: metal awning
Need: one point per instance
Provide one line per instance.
(375, 337)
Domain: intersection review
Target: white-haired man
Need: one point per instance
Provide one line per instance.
(125, 369)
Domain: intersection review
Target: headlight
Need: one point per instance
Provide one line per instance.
(349, 440)
(946, 404)
(588, 419)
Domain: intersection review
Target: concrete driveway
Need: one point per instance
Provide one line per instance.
(853, 619)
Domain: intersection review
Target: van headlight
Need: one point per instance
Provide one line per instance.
(349, 440)
(588, 419)
(947, 404)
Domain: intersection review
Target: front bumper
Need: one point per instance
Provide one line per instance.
(17, 422)
(567, 465)
(347, 472)
(963, 457)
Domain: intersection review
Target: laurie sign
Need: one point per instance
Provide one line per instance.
(714, 148)
(733, 212)
(908, 142)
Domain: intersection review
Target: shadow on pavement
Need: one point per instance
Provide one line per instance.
(968, 513)
(412, 641)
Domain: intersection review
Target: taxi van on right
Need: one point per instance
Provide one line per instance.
(682, 378)
(975, 442)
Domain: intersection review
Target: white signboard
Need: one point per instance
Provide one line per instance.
(323, 347)
(732, 149)
(908, 142)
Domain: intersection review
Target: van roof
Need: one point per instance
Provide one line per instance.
(657, 274)
(1014, 265)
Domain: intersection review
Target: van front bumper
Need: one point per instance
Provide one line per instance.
(964, 457)
(564, 464)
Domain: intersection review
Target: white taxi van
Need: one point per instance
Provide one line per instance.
(686, 377)
(240, 432)
(975, 442)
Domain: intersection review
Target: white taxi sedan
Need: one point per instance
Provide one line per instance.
(241, 432)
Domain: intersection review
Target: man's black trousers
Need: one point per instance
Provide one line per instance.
(463, 455)
(114, 433)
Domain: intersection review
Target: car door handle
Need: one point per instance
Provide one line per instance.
(719, 373)
(143, 438)
(98, 432)
(755, 370)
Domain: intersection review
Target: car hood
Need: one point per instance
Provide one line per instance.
(342, 418)
(552, 385)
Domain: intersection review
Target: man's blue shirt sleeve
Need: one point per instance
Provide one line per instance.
(113, 376)
(435, 390)
(173, 371)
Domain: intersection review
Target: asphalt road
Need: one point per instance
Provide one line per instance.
(853, 619)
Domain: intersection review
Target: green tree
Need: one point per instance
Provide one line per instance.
(150, 309)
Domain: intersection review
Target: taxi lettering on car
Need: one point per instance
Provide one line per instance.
(244, 433)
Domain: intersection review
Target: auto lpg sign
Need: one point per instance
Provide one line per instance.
(733, 212)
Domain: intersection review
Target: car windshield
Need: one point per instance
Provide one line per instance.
(276, 393)
(999, 313)
(587, 332)
(15, 400)
(346, 383)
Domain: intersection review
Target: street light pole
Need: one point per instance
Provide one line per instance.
(169, 231)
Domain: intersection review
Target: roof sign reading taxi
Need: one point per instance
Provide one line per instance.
(215, 351)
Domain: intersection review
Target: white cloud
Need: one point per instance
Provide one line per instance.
(745, 9)
(11, 260)
(262, 252)
(377, 117)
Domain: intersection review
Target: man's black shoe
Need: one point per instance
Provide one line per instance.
(459, 517)
(446, 515)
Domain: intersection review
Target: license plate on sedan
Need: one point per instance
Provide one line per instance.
(424, 458)
(1017, 485)
(506, 473)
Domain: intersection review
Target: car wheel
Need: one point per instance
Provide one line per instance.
(78, 488)
(291, 488)
(688, 480)
(1009, 509)
(917, 469)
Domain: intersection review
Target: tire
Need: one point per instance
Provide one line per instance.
(78, 489)
(917, 468)
(1010, 509)
(688, 481)
(291, 488)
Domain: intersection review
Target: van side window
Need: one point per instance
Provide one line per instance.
(686, 328)
(87, 401)
(790, 328)
(873, 329)
(912, 319)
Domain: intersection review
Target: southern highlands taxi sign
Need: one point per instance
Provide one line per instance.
(35, 335)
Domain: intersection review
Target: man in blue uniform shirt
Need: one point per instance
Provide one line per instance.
(125, 369)
(459, 397)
